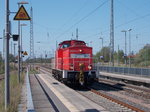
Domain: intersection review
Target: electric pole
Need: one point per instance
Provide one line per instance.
(112, 34)
(11, 47)
(129, 47)
(3, 44)
(31, 36)
(7, 94)
(19, 48)
(118, 61)
(14, 53)
(125, 51)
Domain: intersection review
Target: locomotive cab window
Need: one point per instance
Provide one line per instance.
(65, 45)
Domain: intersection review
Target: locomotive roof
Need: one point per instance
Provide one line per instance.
(70, 41)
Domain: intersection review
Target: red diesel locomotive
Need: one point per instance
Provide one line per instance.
(73, 63)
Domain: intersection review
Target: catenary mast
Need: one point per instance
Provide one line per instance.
(112, 34)
(31, 36)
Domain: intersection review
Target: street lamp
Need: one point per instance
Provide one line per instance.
(3, 44)
(2, 60)
(23, 2)
(102, 47)
(91, 43)
(129, 47)
(21, 44)
(102, 41)
(38, 42)
(15, 49)
(125, 46)
(1, 38)
(21, 33)
(39, 52)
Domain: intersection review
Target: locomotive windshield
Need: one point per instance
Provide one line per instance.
(65, 45)
(80, 55)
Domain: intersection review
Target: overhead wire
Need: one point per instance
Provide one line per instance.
(130, 21)
(79, 21)
(128, 8)
(75, 14)
(133, 20)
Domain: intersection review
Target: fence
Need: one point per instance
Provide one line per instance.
(144, 72)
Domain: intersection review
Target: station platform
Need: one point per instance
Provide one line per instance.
(40, 100)
(62, 97)
(50, 95)
(143, 81)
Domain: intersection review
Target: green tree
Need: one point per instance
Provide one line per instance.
(121, 56)
(103, 52)
(143, 57)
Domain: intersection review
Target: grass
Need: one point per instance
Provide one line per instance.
(1, 68)
(15, 93)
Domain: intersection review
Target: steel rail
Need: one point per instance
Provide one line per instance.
(116, 101)
(144, 94)
(128, 85)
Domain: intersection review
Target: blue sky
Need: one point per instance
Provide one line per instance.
(56, 20)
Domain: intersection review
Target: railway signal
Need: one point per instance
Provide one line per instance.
(15, 37)
(21, 15)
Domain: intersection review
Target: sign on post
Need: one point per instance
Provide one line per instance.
(22, 14)
(25, 53)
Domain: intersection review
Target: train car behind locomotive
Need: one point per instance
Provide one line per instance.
(74, 63)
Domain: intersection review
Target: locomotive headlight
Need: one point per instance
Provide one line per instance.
(90, 67)
(71, 67)
(80, 50)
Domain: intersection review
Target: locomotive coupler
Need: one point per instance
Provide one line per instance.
(81, 75)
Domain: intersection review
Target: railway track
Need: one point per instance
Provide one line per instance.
(131, 98)
(107, 102)
(101, 95)
(139, 91)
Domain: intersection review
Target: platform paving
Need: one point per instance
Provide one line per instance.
(40, 101)
(69, 97)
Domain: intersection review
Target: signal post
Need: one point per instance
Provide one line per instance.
(18, 16)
